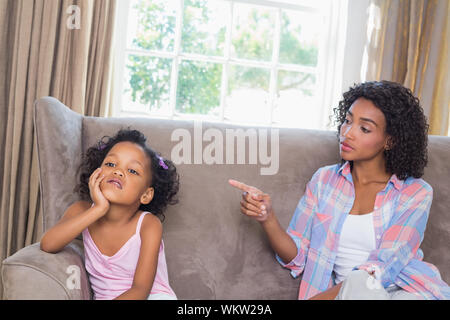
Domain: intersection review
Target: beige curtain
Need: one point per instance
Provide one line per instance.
(407, 42)
(48, 48)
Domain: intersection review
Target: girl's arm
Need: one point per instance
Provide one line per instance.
(144, 276)
(76, 218)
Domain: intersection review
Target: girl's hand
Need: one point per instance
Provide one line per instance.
(255, 203)
(96, 194)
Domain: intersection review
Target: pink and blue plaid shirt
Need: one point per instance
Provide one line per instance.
(400, 216)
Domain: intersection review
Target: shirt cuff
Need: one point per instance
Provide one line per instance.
(296, 265)
(376, 269)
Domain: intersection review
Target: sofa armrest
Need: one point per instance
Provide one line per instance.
(31, 273)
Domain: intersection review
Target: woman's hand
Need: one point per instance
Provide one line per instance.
(255, 203)
(258, 205)
(96, 194)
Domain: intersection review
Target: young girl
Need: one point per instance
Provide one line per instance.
(124, 185)
(356, 231)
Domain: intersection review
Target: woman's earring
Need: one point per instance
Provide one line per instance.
(387, 147)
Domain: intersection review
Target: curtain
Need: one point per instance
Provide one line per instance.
(407, 42)
(49, 48)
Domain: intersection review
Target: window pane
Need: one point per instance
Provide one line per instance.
(198, 89)
(299, 40)
(147, 81)
(295, 103)
(204, 32)
(308, 3)
(252, 32)
(248, 94)
(151, 25)
(204, 27)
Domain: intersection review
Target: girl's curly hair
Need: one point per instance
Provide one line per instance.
(405, 123)
(165, 179)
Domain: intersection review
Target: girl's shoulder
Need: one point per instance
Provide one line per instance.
(76, 208)
(150, 224)
(150, 219)
(80, 206)
(83, 204)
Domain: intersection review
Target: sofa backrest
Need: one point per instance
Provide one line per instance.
(212, 250)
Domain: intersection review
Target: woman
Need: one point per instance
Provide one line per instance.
(356, 232)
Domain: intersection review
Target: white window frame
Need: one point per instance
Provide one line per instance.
(328, 70)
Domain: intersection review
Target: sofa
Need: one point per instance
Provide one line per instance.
(212, 250)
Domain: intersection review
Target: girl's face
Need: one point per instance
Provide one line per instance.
(363, 134)
(127, 175)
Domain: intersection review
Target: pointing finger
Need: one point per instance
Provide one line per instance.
(244, 187)
(240, 185)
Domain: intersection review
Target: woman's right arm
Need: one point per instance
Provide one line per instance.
(76, 218)
(279, 239)
(292, 245)
(258, 205)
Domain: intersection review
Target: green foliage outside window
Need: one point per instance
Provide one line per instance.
(199, 83)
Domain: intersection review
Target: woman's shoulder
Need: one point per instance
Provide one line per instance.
(413, 186)
(332, 168)
(326, 172)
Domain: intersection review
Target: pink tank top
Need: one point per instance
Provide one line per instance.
(112, 276)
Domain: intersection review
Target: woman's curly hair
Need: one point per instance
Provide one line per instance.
(406, 124)
(164, 180)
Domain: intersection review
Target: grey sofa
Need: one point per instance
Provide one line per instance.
(212, 250)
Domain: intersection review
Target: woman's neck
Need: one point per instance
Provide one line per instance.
(365, 172)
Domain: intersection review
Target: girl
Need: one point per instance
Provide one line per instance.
(356, 231)
(124, 185)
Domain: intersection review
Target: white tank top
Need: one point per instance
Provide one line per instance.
(356, 241)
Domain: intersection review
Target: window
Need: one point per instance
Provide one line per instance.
(255, 62)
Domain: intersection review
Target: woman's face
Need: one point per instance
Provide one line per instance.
(363, 134)
(127, 174)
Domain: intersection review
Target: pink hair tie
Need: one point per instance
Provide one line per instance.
(102, 146)
(161, 162)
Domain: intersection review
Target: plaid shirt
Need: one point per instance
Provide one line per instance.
(400, 216)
